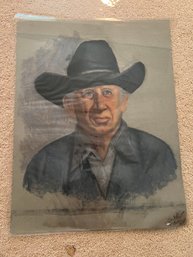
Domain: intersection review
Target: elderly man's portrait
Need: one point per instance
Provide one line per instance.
(96, 139)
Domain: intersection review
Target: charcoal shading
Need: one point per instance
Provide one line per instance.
(102, 158)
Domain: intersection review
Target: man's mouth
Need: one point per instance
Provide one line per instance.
(97, 120)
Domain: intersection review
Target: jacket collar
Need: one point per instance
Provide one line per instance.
(126, 151)
(122, 143)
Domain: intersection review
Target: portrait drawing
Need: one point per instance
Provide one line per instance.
(103, 157)
(96, 139)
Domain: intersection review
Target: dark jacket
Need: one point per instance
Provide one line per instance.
(143, 164)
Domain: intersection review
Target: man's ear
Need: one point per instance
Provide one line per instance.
(124, 102)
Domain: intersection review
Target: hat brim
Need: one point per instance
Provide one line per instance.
(54, 86)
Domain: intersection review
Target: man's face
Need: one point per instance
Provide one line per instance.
(99, 110)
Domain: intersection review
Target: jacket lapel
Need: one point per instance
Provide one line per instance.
(123, 179)
(125, 173)
(126, 169)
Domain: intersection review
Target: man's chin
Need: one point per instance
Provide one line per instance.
(100, 130)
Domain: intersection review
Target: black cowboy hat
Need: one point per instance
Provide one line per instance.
(93, 64)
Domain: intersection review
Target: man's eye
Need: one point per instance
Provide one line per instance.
(107, 92)
(88, 94)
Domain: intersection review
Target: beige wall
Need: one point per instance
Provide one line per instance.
(166, 243)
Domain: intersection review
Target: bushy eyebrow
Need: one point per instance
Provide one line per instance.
(107, 88)
(93, 88)
(85, 90)
(104, 87)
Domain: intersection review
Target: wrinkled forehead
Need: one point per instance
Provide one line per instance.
(99, 88)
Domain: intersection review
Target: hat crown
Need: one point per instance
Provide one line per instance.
(92, 56)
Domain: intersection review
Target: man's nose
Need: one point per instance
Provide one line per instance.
(99, 103)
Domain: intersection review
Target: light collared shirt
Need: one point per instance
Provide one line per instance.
(101, 168)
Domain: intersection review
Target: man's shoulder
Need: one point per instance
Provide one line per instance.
(155, 158)
(48, 168)
(150, 148)
(147, 141)
(60, 145)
